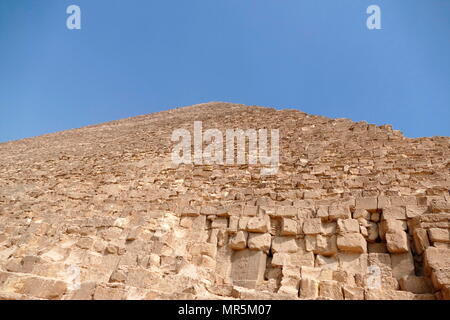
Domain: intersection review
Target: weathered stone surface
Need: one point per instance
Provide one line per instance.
(355, 211)
(309, 288)
(397, 242)
(415, 284)
(259, 241)
(439, 235)
(259, 224)
(248, 268)
(239, 241)
(352, 242)
(331, 289)
(284, 244)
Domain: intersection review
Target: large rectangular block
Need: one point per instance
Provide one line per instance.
(248, 267)
(369, 203)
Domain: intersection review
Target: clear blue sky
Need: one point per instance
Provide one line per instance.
(140, 56)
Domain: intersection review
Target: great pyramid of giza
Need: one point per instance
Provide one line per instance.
(353, 211)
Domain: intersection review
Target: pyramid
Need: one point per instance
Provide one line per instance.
(353, 211)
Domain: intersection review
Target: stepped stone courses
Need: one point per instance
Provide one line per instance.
(102, 213)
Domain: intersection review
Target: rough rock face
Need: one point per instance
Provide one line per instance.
(356, 211)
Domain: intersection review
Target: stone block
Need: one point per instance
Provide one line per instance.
(347, 226)
(353, 293)
(238, 241)
(339, 212)
(325, 245)
(312, 226)
(439, 235)
(436, 259)
(259, 224)
(397, 242)
(248, 267)
(331, 289)
(402, 265)
(352, 242)
(415, 284)
(368, 203)
(309, 288)
(284, 244)
(398, 213)
(259, 241)
(289, 227)
(421, 241)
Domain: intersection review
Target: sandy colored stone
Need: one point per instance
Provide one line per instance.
(102, 212)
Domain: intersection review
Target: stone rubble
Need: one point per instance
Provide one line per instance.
(356, 211)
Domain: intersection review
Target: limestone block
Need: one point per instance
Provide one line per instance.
(250, 211)
(284, 244)
(300, 259)
(377, 247)
(259, 224)
(353, 262)
(421, 242)
(352, 242)
(397, 242)
(289, 227)
(440, 278)
(324, 262)
(368, 203)
(108, 293)
(280, 259)
(402, 265)
(439, 235)
(436, 259)
(353, 293)
(310, 272)
(415, 211)
(310, 242)
(322, 212)
(398, 213)
(415, 284)
(325, 245)
(372, 231)
(378, 294)
(309, 288)
(403, 201)
(329, 228)
(391, 225)
(312, 226)
(36, 287)
(331, 289)
(220, 223)
(286, 212)
(384, 202)
(259, 241)
(375, 216)
(344, 277)
(208, 210)
(339, 212)
(248, 267)
(243, 222)
(239, 241)
(361, 213)
(208, 249)
(233, 224)
(84, 292)
(347, 226)
(190, 211)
